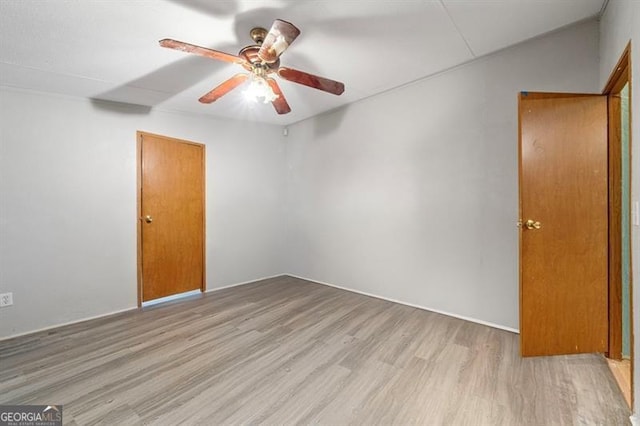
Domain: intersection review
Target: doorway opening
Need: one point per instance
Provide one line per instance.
(620, 352)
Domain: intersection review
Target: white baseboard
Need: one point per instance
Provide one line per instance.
(212, 290)
(169, 298)
(477, 321)
(50, 327)
(635, 420)
(192, 293)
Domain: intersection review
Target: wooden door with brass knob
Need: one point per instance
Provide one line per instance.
(171, 223)
(563, 223)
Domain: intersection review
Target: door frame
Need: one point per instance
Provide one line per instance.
(139, 136)
(620, 76)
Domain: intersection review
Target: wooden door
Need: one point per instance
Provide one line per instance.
(563, 192)
(171, 216)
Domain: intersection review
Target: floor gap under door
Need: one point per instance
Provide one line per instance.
(171, 298)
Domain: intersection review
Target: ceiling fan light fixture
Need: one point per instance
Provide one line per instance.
(259, 88)
(261, 62)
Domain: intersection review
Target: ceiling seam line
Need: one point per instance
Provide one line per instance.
(78, 76)
(457, 29)
(31, 67)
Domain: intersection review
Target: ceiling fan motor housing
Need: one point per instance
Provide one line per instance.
(258, 34)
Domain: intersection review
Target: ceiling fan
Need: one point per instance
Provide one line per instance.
(261, 60)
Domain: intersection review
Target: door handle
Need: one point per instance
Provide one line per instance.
(532, 224)
(148, 219)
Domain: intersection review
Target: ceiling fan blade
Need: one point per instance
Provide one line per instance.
(320, 83)
(224, 88)
(280, 36)
(202, 51)
(280, 104)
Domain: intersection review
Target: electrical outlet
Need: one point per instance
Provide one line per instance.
(6, 299)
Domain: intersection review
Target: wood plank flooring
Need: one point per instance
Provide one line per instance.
(287, 351)
(622, 373)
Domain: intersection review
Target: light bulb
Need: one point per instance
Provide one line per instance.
(259, 88)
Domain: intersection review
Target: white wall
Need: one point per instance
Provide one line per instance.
(409, 195)
(413, 194)
(68, 204)
(619, 24)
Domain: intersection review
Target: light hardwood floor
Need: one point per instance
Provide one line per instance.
(287, 351)
(622, 373)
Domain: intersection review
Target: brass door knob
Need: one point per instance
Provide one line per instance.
(532, 224)
(148, 219)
